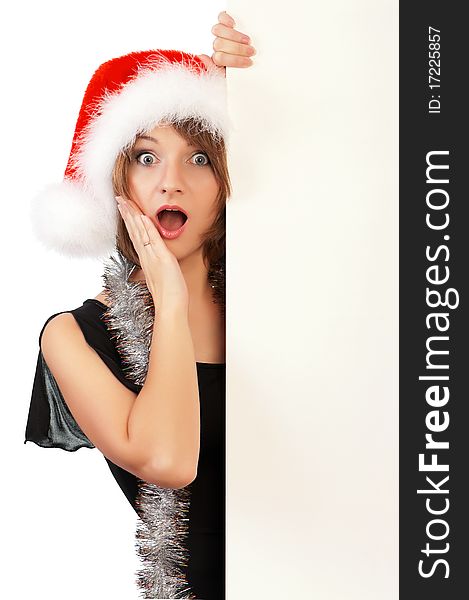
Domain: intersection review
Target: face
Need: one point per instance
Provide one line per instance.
(164, 169)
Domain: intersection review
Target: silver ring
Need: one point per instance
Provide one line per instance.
(148, 243)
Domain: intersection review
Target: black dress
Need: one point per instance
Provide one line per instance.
(50, 424)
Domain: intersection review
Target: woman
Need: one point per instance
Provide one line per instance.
(138, 371)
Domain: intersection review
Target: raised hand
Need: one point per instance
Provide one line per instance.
(163, 275)
(231, 47)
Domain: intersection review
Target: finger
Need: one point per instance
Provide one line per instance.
(209, 64)
(133, 207)
(229, 33)
(222, 45)
(153, 247)
(223, 59)
(225, 18)
(143, 230)
(153, 239)
(151, 234)
(206, 60)
(132, 224)
(129, 224)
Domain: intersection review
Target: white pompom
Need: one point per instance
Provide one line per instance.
(70, 220)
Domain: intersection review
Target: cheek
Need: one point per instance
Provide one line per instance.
(210, 215)
(210, 188)
(139, 188)
(210, 205)
(135, 182)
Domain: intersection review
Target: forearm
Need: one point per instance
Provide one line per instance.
(164, 423)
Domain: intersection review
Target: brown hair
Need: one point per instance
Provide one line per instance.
(214, 239)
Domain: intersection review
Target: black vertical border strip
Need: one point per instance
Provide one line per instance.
(420, 133)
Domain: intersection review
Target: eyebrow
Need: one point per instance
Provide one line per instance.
(152, 139)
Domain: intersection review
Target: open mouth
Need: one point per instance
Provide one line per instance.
(171, 220)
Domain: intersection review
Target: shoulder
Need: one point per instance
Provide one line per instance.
(62, 342)
(85, 325)
(102, 297)
(58, 330)
(82, 323)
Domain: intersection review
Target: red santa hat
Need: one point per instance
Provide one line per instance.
(126, 96)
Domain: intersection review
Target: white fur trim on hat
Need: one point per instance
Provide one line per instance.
(169, 93)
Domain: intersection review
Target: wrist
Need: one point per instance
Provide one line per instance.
(177, 310)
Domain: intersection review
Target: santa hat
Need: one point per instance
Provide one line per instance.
(126, 96)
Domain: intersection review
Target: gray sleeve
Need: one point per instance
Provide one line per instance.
(64, 431)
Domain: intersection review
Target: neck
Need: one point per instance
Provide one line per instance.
(195, 274)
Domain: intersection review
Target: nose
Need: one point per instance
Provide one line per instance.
(171, 181)
(169, 189)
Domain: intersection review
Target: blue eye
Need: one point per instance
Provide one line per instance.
(206, 157)
(148, 158)
(145, 161)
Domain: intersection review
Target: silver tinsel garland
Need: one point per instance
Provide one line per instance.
(162, 527)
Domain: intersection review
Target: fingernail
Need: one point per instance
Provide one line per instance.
(246, 39)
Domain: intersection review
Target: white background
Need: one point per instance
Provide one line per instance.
(312, 472)
(313, 304)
